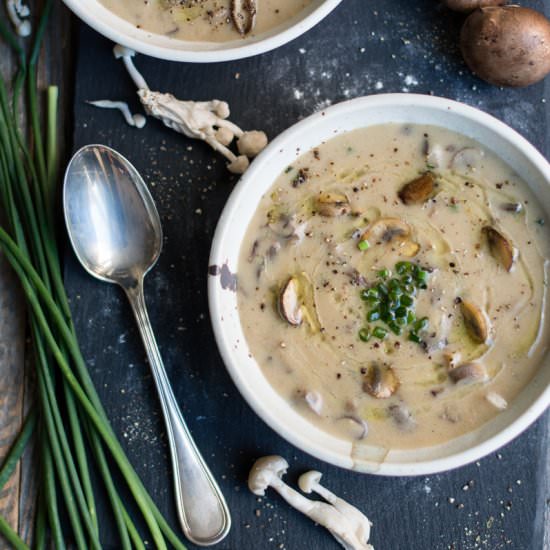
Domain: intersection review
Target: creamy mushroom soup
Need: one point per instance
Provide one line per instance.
(392, 285)
(207, 20)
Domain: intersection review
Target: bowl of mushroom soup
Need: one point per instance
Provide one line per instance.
(202, 31)
(378, 280)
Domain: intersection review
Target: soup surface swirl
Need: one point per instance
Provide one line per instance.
(392, 285)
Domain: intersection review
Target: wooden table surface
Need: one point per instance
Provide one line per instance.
(362, 48)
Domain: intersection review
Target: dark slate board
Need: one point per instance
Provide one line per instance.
(364, 47)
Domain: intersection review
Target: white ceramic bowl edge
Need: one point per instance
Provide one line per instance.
(97, 16)
(361, 112)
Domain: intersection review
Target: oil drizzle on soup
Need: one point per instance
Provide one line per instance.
(392, 285)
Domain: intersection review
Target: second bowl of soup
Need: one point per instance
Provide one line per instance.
(202, 30)
(378, 284)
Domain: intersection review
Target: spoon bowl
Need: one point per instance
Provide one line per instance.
(115, 230)
(113, 223)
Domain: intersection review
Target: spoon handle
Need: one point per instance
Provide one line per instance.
(202, 509)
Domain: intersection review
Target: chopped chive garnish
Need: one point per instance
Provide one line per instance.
(382, 289)
(373, 315)
(392, 302)
(364, 335)
(363, 245)
(421, 324)
(403, 267)
(422, 276)
(395, 328)
(380, 333)
(401, 312)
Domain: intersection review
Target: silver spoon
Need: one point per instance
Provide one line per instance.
(115, 231)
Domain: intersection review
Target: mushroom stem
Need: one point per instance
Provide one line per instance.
(126, 54)
(204, 120)
(136, 120)
(18, 12)
(309, 482)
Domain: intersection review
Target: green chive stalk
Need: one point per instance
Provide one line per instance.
(69, 450)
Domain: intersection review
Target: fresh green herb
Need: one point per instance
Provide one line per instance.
(74, 433)
(401, 312)
(395, 328)
(373, 315)
(421, 276)
(363, 245)
(403, 268)
(382, 289)
(421, 324)
(430, 166)
(288, 169)
(380, 333)
(364, 335)
(392, 301)
(387, 316)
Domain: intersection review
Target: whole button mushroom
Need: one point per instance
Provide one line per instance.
(507, 45)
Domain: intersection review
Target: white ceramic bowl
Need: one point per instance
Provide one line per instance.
(122, 32)
(247, 375)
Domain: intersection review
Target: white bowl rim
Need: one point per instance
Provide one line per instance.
(422, 467)
(248, 49)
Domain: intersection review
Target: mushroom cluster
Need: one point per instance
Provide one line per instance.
(349, 526)
(504, 45)
(204, 120)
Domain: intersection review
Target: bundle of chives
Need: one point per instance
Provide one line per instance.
(28, 186)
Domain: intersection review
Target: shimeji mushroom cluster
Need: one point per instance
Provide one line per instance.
(349, 526)
(204, 120)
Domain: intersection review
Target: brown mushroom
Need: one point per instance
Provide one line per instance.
(470, 372)
(507, 45)
(402, 416)
(394, 231)
(380, 381)
(475, 322)
(514, 207)
(243, 13)
(289, 304)
(332, 205)
(356, 427)
(418, 190)
(452, 358)
(385, 230)
(466, 6)
(500, 247)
